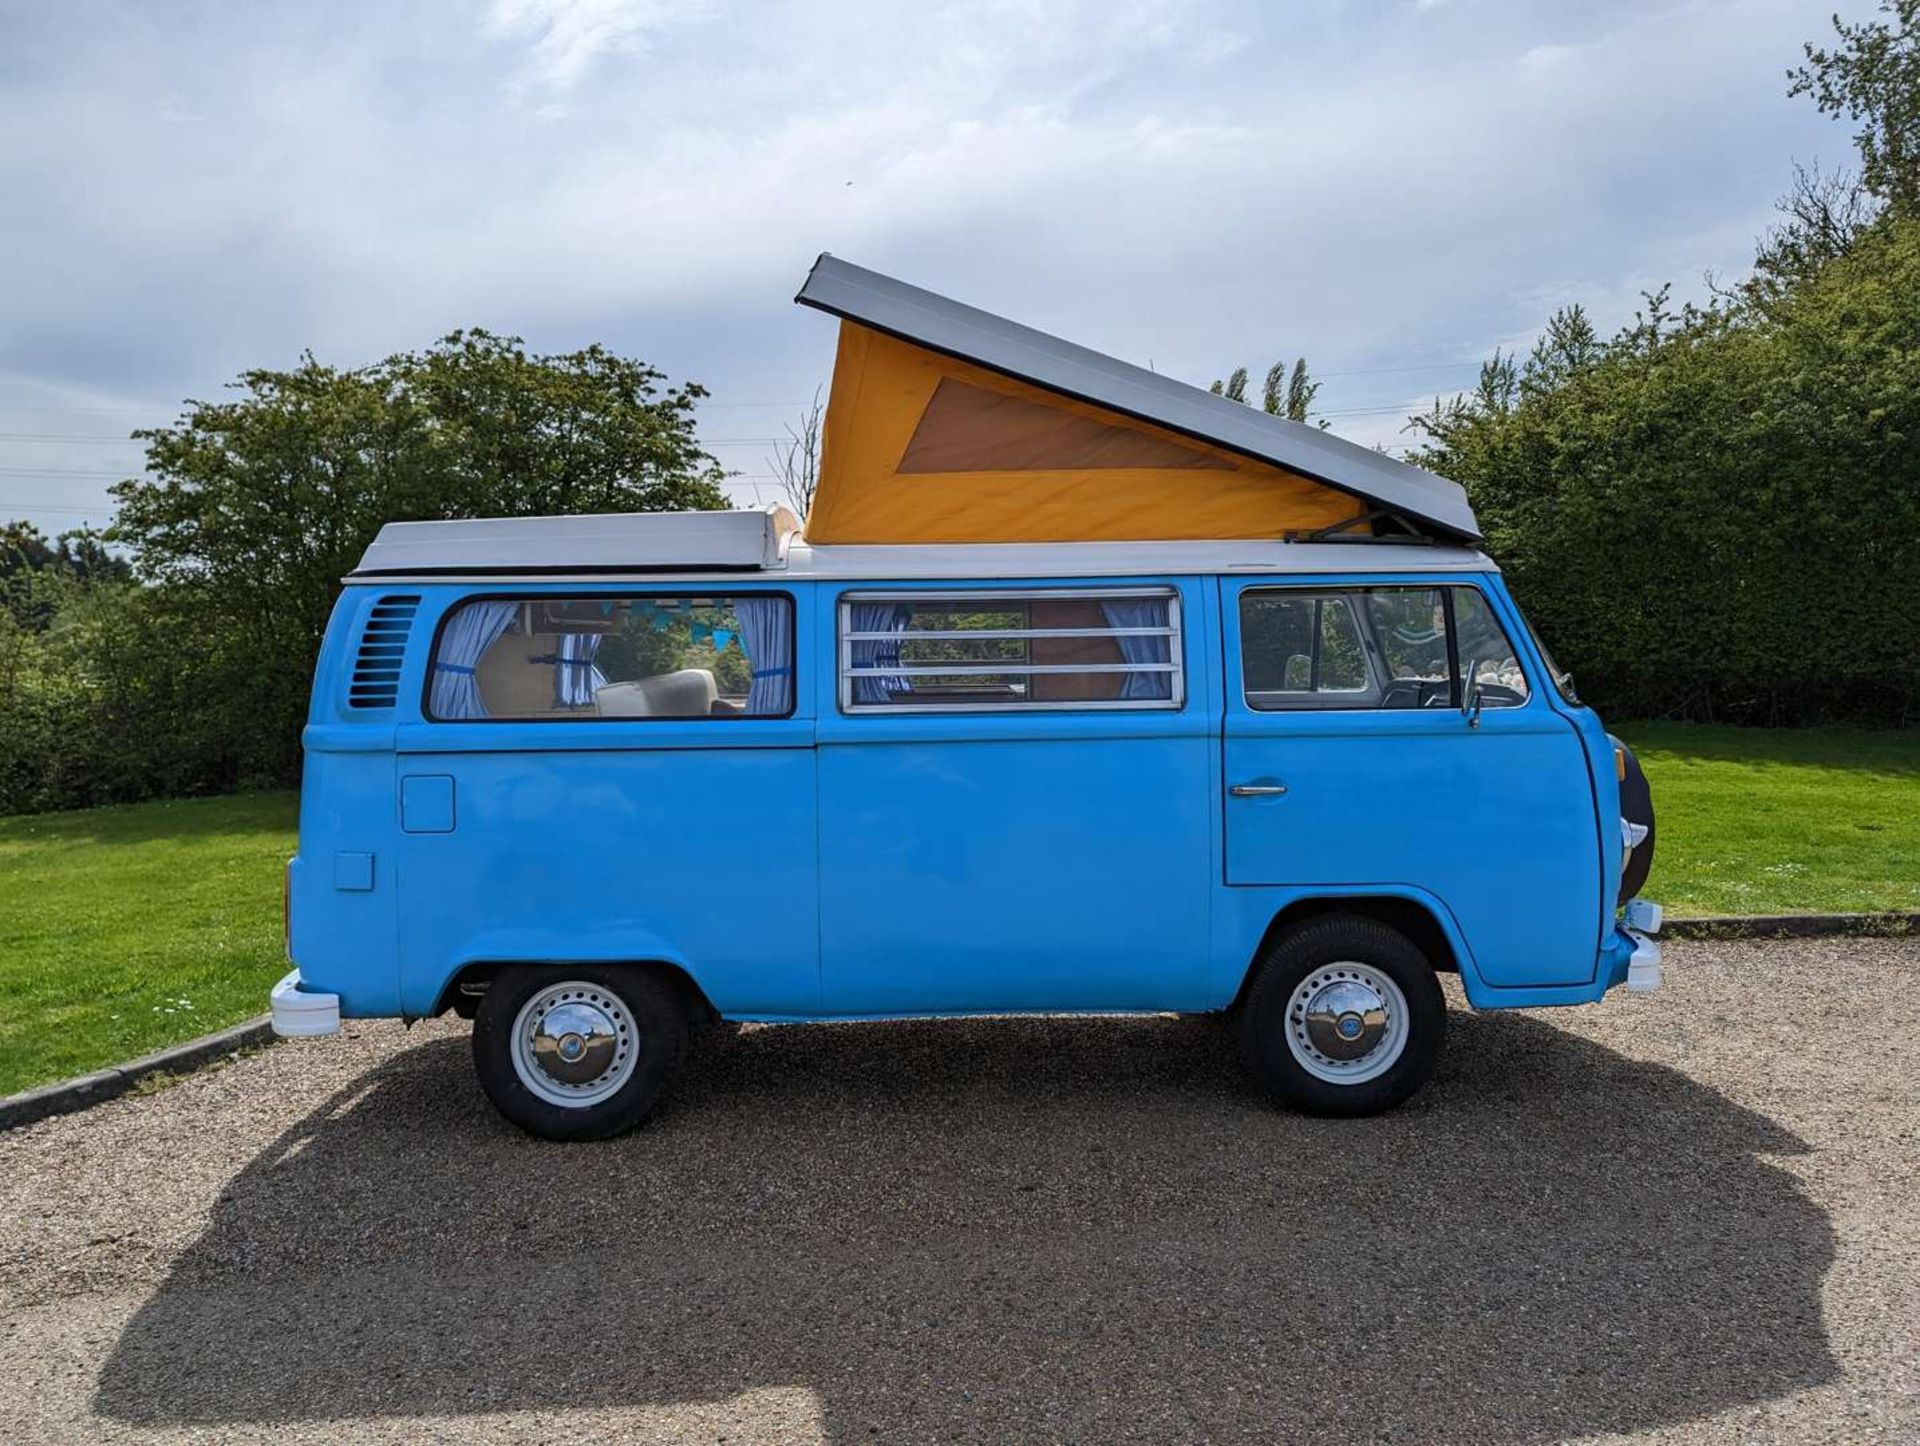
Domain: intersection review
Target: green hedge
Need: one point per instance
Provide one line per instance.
(1717, 515)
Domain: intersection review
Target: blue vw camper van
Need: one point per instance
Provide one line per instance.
(1081, 691)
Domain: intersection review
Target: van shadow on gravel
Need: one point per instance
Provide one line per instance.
(1084, 1229)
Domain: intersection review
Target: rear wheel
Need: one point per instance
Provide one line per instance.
(1345, 1017)
(579, 1051)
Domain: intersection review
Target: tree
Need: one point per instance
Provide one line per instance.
(1873, 76)
(1285, 394)
(23, 549)
(255, 507)
(1823, 214)
(796, 459)
(28, 562)
(1234, 389)
(1715, 513)
(81, 553)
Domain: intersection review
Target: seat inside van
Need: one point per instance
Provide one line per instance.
(690, 692)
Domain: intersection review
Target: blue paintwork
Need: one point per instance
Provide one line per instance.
(353, 872)
(1495, 823)
(834, 866)
(954, 846)
(426, 802)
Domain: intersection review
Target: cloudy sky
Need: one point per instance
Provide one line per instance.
(1393, 187)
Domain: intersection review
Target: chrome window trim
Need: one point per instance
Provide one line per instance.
(1173, 632)
(1012, 670)
(996, 634)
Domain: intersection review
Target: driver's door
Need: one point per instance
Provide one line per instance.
(1350, 765)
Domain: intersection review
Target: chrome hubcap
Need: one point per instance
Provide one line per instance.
(1347, 1023)
(1345, 1019)
(574, 1044)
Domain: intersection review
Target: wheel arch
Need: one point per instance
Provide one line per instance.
(1423, 921)
(463, 988)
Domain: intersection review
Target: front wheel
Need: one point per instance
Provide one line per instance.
(578, 1051)
(1344, 1018)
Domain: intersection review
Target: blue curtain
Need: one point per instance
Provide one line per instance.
(1142, 613)
(768, 643)
(474, 629)
(575, 678)
(883, 653)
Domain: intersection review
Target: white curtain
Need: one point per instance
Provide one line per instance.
(881, 653)
(474, 629)
(575, 678)
(1142, 613)
(767, 640)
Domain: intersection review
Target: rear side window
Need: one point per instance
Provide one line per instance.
(1065, 648)
(679, 655)
(1388, 647)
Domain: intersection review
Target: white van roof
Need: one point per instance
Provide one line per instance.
(622, 541)
(765, 541)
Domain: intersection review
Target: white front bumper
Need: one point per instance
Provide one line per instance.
(1644, 918)
(303, 1013)
(1643, 969)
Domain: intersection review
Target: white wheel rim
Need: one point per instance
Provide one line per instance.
(1346, 1023)
(574, 1044)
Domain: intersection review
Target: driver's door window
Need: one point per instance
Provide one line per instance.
(1303, 650)
(1379, 647)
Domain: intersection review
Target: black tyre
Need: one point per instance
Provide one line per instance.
(1636, 806)
(1344, 1017)
(579, 1051)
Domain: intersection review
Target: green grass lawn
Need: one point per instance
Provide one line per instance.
(123, 930)
(1782, 821)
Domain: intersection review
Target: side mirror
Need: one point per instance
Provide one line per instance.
(1470, 701)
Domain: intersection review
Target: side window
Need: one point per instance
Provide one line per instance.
(1385, 647)
(1409, 627)
(1303, 650)
(681, 655)
(1107, 648)
(1486, 657)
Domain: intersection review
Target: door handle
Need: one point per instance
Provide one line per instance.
(1257, 790)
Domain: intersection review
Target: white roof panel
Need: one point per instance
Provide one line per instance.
(681, 545)
(595, 542)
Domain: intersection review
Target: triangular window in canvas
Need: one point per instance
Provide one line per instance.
(968, 428)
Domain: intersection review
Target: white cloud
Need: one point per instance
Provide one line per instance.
(569, 35)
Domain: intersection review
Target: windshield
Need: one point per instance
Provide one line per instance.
(1562, 679)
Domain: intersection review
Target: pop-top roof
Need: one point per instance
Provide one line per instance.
(942, 475)
(604, 542)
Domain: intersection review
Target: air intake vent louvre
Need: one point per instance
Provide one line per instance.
(383, 648)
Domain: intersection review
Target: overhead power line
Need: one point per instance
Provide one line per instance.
(59, 472)
(70, 437)
(1386, 371)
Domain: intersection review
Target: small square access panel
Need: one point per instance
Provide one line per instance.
(426, 803)
(353, 872)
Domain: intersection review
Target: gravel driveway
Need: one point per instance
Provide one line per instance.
(1694, 1216)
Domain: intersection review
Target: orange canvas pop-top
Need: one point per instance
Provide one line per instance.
(946, 424)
